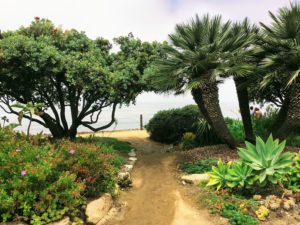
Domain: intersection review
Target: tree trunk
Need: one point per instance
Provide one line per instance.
(282, 114)
(56, 130)
(207, 99)
(243, 98)
(292, 119)
(28, 129)
(198, 97)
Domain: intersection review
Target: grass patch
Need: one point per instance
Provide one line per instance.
(117, 145)
(201, 166)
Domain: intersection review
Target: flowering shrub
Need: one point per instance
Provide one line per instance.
(94, 165)
(32, 186)
(40, 183)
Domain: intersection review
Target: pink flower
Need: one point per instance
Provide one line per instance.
(72, 151)
(23, 173)
(18, 150)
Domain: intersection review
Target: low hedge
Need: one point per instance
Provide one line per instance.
(168, 126)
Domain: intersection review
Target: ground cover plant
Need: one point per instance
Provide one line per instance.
(263, 169)
(201, 166)
(119, 146)
(238, 209)
(42, 181)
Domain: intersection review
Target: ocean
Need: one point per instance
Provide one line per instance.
(147, 104)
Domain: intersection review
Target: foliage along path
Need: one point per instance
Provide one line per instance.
(157, 197)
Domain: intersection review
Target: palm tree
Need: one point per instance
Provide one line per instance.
(241, 65)
(198, 48)
(281, 44)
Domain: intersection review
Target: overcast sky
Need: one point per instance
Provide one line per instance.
(147, 19)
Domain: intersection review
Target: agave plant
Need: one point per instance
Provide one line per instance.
(266, 159)
(218, 175)
(240, 175)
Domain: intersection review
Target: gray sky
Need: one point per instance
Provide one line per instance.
(147, 19)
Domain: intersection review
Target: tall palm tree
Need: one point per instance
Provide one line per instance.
(197, 49)
(241, 65)
(281, 44)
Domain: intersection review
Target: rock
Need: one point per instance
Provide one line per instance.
(195, 178)
(132, 158)
(127, 168)
(98, 208)
(122, 175)
(64, 221)
(257, 197)
(131, 163)
(288, 203)
(274, 205)
(132, 153)
(183, 182)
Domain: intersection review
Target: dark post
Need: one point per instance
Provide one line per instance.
(141, 122)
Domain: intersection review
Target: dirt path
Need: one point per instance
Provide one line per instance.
(157, 197)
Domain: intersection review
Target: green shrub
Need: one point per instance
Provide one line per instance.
(168, 126)
(262, 126)
(205, 133)
(292, 180)
(236, 128)
(201, 166)
(32, 185)
(94, 165)
(294, 140)
(41, 182)
(188, 141)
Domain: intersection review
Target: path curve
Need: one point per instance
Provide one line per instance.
(157, 197)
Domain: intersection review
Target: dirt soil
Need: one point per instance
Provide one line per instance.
(157, 196)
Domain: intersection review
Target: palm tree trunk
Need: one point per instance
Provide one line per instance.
(292, 120)
(282, 115)
(207, 99)
(243, 98)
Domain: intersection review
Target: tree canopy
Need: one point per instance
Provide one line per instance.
(64, 69)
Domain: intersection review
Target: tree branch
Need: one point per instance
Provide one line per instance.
(62, 105)
(86, 124)
(11, 111)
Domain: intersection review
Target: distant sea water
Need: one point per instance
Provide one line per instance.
(147, 104)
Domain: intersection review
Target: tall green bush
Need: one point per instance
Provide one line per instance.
(168, 126)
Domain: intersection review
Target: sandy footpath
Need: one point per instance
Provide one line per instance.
(157, 197)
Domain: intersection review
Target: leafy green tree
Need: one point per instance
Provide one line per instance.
(197, 49)
(281, 44)
(67, 71)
